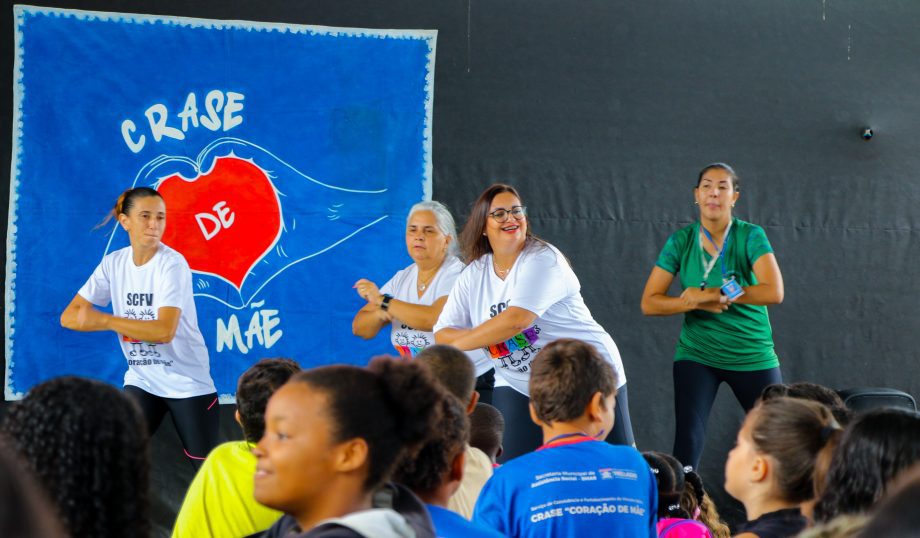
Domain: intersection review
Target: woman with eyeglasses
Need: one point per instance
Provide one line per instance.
(728, 275)
(518, 294)
(411, 300)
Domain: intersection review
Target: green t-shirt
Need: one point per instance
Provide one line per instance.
(740, 338)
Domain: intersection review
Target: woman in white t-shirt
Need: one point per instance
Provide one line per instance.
(153, 313)
(412, 300)
(518, 294)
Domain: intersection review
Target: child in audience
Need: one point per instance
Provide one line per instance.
(696, 501)
(575, 484)
(770, 469)
(437, 471)
(332, 437)
(86, 443)
(487, 427)
(219, 501)
(456, 373)
(896, 516)
(673, 520)
(875, 447)
(810, 391)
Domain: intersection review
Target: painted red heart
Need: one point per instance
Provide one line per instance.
(223, 221)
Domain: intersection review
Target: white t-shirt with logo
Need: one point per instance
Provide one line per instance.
(403, 286)
(178, 369)
(542, 282)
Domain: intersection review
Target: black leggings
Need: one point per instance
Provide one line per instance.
(523, 436)
(485, 386)
(695, 388)
(197, 419)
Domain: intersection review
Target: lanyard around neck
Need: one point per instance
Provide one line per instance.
(720, 253)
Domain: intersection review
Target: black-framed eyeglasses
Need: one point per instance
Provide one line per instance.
(502, 215)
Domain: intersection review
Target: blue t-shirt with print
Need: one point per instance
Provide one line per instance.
(579, 488)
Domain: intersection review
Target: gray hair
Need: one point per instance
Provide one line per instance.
(444, 219)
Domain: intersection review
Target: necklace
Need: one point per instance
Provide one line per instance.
(422, 285)
(501, 272)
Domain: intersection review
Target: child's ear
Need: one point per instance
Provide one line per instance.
(533, 415)
(761, 469)
(595, 409)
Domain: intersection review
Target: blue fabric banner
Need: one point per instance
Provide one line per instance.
(287, 156)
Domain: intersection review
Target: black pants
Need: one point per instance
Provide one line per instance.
(695, 388)
(523, 436)
(197, 419)
(485, 386)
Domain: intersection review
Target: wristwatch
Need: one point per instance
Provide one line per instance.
(385, 303)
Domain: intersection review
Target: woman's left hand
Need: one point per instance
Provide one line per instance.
(368, 291)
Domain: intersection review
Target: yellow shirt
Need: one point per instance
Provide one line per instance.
(219, 502)
(477, 469)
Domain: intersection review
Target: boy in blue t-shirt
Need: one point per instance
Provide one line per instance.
(575, 484)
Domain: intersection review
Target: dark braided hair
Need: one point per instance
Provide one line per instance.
(669, 473)
(86, 443)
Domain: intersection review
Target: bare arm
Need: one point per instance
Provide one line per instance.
(368, 321)
(769, 289)
(81, 315)
(657, 302)
(510, 322)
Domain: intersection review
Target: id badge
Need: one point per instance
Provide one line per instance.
(732, 289)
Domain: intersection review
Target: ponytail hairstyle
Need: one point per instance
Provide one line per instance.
(393, 405)
(697, 503)
(792, 432)
(669, 473)
(126, 201)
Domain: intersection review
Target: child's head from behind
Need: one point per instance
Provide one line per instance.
(339, 430)
(571, 382)
(487, 430)
(255, 387)
(774, 455)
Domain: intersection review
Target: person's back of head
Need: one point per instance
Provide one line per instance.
(875, 447)
(255, 387)
(896, 515)
(805, 390)
(86, 443)
(669, 474)
(24, 510)
(452, 368)
(696, 502)
(487, 429)
(434, 473)
(567, 374)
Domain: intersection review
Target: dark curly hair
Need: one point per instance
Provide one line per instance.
(875, 447)
(426, 471)
(86, 443)
(24, 510)
(392, 404)
(255, 387)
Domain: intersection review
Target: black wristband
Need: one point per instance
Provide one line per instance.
(385, 303)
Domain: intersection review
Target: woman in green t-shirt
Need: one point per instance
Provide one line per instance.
(728, 275)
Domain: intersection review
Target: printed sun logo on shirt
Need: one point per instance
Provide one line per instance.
(516, 352)
(409, 344)
(146, 350)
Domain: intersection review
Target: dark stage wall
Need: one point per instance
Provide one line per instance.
(601, 112)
